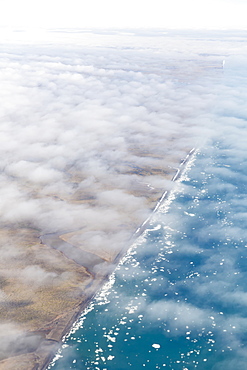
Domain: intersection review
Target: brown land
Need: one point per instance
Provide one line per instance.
(43, 306)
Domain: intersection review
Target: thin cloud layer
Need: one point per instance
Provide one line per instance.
(93, 128)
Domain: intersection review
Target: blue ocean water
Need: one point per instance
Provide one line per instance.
(178, 299)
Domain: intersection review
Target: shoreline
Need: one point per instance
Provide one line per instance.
(52, 334)
(100, 133)
(101, 282)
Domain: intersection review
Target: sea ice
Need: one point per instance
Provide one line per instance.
(156, 345)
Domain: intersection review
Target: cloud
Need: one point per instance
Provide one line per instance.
(36, 276)
(179, 315)
(14, 341)
(93, 128)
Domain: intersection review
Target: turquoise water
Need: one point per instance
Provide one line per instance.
(178, 300)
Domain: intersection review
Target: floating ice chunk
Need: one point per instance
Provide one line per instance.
(98, 350)
(156, 345)
(112, 339)
(132, 309)
(189, 214)
(110, 357)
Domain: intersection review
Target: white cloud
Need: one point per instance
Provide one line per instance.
(178, 316)
(36, 276)
(89, 117)
(13, 339)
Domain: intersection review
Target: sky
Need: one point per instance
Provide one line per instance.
(192, 14)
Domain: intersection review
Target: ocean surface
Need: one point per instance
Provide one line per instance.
(178, 299)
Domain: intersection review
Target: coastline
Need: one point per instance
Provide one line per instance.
(179, 173)
(53, 332)
(94, 127)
